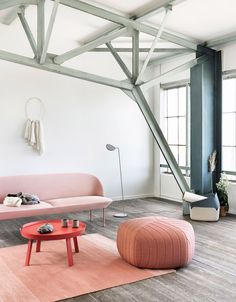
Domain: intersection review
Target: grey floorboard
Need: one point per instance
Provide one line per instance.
(211, 276)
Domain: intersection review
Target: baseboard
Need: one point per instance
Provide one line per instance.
(127, 197)
(169, 198)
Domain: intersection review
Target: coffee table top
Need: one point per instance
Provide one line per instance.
(29, 230)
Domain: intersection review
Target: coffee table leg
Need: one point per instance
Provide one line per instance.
(76, 244)
(38, 245)
(69, 252)
(29, 249)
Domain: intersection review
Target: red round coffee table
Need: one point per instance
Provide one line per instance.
(30, 232)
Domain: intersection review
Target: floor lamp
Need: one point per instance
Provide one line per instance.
(113, 148)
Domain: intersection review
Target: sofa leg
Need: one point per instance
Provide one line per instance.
(90, 215)
(103, 217)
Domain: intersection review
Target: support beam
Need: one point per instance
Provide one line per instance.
(135, 55)
(10, 3)
(119, 61)
(223, 40)
(156, 50)
(110, 16)
(160, 139)
(154, 10)
(228, 74)
(206, 119)
(21, 15)
(64, 71)
(168, 58)
(11, 15)
(175, 70)
(154, 43)
(130, 94)
(40, 28)
(49, 31)
(79, 50)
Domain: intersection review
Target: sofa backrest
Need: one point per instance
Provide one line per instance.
(51, 186)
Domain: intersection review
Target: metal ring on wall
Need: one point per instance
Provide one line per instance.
(42, 107)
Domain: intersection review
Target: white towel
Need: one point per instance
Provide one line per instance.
(32, 138)
(39, 137)
(27, 130)
(33, 134)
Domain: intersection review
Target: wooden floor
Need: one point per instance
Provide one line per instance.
(211, 276)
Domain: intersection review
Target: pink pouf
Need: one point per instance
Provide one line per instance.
(156, 242)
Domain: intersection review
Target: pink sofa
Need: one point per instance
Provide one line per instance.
(59, 193)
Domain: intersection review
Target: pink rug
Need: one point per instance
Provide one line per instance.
(98, 266)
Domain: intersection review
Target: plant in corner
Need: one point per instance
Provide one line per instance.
(222, 192)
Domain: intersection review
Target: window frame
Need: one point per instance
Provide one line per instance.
(226, 75)
(229, 75)
(164, 98)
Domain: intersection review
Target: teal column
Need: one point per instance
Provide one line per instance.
(206, 108)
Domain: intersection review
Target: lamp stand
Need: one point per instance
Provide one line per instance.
(123, 214)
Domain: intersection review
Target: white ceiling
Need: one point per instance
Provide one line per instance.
(200, 19)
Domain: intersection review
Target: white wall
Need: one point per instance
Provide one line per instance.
(81, 118)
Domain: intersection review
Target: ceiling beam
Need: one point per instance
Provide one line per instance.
(154, 43)
(173, 71)
(156, 50)
(119, 60)
(113, 17)
(28, 32)
(162, 4)
(135, 55)
(49, 31)
(11, 15)
(79, 50)
(40, 28)
(48, 66)
(164, 59)
(10, 3)
(221, 41)
(227, 74)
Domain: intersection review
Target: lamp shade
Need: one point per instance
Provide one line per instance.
(110, 147)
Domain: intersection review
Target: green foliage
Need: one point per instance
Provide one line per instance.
(222, 191)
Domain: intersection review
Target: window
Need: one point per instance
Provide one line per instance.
(175, 125)
(229, 128)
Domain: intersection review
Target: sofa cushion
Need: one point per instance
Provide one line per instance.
(81, 203)
(24, 210)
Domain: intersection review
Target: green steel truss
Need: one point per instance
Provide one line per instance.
(133, 85)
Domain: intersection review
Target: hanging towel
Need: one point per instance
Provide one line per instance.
(33, 134)
(27, 130)
(32, 138)
(39, 145)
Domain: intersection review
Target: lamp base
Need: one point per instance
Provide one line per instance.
(120, 215)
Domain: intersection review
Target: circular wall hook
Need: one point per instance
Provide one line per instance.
(29, 102)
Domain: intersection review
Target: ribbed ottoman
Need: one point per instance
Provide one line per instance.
(156, 242)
